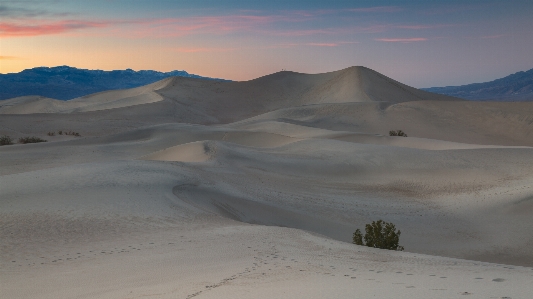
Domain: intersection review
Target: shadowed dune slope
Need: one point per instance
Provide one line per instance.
(488, 123)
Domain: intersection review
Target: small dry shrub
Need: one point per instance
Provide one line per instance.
(72, 133)
(32, 139)
(397, 133)
(5, 140)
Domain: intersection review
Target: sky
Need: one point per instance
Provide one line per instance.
(420, 43)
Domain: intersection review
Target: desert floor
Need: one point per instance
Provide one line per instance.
(188, 188)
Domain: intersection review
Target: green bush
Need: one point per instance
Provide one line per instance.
(5, 140)
(379, 234)
(32, 139)
(397, 133)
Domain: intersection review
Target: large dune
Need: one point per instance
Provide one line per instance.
(188, 188)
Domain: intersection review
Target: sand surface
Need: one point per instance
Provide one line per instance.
(188, 188)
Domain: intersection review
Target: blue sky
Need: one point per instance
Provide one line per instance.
(420, 43)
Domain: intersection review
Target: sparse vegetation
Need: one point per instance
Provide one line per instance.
(60, 132)
(72, 133)
(32, 139)
(397, 133)
(5, 140)
(379, 234)
(51, 134)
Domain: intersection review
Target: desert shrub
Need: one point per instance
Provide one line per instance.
(60, 132)
(5, 140)
(51, 134)
(397, 133)
(72, 133)
(32, 139)
(379, 234)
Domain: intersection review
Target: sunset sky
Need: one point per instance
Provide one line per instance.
(420, 43)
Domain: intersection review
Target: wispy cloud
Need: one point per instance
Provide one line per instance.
(493, 36)
(316, 44)
(166, 27)
(13, 12)
(9, 57)
(377, 9)
(402, 40)
(328, 31)
(202, 49)
(8, 29)
(175, 27)
(322, 44)
(322, 12)
(425, 26)
(244, 21)
(453, 8)
(302, 32)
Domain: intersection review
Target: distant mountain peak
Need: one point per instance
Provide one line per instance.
(65, 82)
(515, 87)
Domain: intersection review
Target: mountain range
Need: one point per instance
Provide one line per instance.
(65, 82)
(513, 88)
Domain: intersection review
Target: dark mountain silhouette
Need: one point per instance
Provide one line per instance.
(65, 83)
(515, 87)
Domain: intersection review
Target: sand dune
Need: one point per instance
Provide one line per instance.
(276, 91)
(188, 188)
(99, 101)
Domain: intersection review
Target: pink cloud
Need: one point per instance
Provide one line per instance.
(418, 27)
(415, 27)
(300, 32)
(377, 9)
(45, 28)
(344, 30)
(173, 27)
(331, 44)
(150, 27)
(402, 40)
(493, 36)
(198, 49)
(322, 44)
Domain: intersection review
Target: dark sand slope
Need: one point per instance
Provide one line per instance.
(188, 188)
